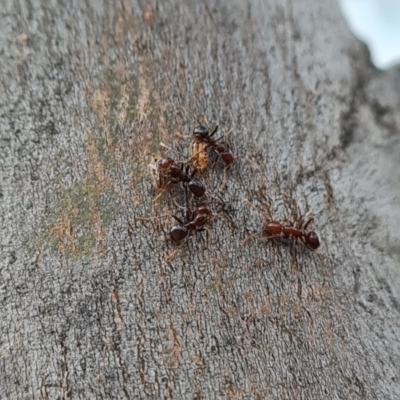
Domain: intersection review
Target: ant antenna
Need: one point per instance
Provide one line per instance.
(214, 130)
(253, 206)
(223, 184)
(223, 136)
(177, 205)
(309, 222)
(251, 237)
(161, 193)
(140, 218)
(165, 146)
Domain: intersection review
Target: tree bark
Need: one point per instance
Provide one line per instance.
(97, 302)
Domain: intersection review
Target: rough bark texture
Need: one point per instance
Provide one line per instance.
(97, 303)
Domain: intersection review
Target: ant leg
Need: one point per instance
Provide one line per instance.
(321, 258)
(298, 224)
(189, 212)
(185, 169)
(193, 173)
(223, 136)
(251, 237)
(177, 205)
(223, 184)
(310, 221)
(294, 265)
(151, 218)
(256, 209)
(265, 238)
(210, 163)
(213, 131)
(169, 149)
(227, 213)
(252, 206)
(217, 140)
(178, 219)
(207, 237)
(152, 166)
(161, 193)
(302, 220)
(313, 250)
(164, 180)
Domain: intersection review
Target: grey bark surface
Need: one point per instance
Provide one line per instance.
(97, 303)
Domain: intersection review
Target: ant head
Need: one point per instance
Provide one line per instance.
(200, 132)
(178, 233)
(312, 240)
(164, 163)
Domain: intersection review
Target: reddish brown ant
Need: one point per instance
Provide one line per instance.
(169, 171)
(287, 229)
(202, 138)
(195, 222)
(298, 230)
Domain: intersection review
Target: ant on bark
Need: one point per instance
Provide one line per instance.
(195, 221)
(297, 230)
(169, 171)
(202, 138)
